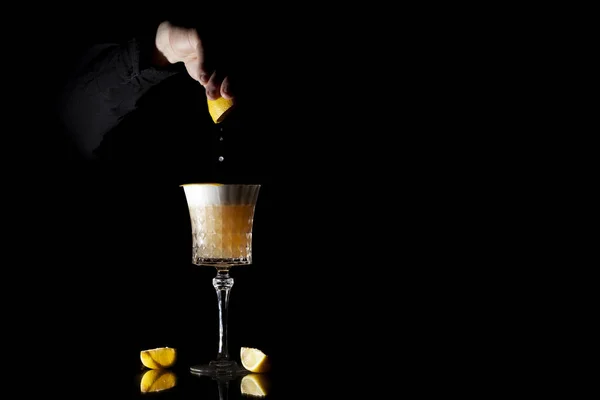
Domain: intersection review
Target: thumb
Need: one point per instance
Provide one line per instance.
(193, 69)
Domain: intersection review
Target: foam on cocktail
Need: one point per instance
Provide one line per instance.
(201, 194)
(204, 194)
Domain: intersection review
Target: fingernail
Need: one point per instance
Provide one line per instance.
(204, 78)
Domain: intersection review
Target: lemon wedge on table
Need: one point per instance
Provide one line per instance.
(160, 357)
(157, 380)
(255, 385)
(219, 108)
(254, 360)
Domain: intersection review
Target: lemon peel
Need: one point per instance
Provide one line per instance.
(160, 357)
(219, 108)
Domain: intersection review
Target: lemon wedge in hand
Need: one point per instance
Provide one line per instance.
(219, 108)
(254, 360)
(160, 357)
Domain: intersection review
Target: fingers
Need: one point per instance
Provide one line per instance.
(218, 86)
(204, 68)
(203, 63)
(214, 80)
(226, 91)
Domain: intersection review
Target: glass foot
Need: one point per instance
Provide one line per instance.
(219, 368)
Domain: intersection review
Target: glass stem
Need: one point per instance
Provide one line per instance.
(223, 389)
(223, 283)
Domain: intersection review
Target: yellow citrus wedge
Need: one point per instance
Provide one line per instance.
(219, 108)
(160, 357)
(255, 385)
(157, 380)
(254, 360)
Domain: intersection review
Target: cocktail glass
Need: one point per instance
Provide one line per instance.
(222, 217)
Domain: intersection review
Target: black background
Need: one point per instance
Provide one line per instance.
(366, 245)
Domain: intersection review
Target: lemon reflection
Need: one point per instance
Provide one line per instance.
(157, 380)
(255, 385)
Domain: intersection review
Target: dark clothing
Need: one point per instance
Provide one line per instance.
(114, 110)
(105, 86)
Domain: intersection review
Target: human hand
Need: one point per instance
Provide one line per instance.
(183, 44)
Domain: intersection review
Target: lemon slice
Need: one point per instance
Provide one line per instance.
(254, 360)
(219, 108)
(255, 385)
(160, 357)
(157, 380)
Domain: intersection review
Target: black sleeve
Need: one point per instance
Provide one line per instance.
(106, 84)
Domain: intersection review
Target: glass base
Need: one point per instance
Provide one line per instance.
(219, 369)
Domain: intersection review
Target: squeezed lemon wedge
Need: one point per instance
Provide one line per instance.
(219, 108)
(254, 360)
(160, 357)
